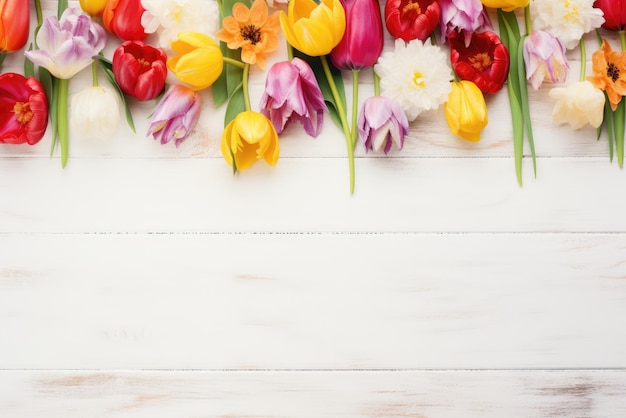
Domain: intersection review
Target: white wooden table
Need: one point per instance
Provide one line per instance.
(148, 281)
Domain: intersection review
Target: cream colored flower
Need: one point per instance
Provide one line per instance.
(417, 75)
(567, 20)
(167, 18)
(578, 104)
(95, 113)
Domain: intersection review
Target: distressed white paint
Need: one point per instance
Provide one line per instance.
(287, 296)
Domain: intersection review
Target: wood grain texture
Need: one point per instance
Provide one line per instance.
(70, 394)
(330, 301)
(148, 281)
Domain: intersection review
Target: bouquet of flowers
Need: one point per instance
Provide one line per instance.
(445, 53)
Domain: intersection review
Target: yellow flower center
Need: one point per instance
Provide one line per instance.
(411, 7)
(612, 71)
(143, 62)
(481, 61)
(573, 14)
(23, 112)
(418, 79)
(251, 33)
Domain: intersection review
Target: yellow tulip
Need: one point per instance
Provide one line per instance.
(250, 137)
(198, 61)
(311, 28)
(93, 7)
(506, 5)
(466, 110)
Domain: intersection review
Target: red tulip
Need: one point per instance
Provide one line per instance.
(140, 69)
(362, 41)
(411, 19)
(123, 19)
(614, 13)
(14, 24)
(23, 109)
(485, 61)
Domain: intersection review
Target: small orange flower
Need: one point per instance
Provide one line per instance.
(252, 30)
(609, 68)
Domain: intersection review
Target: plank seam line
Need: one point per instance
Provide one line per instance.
(230, 233)
(330, 370)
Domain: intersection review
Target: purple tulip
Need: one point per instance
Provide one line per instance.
(544, 56)
(176, 115)
(362, 41)
(68, 45)
(466, 16)
(382, 122)
(292, 93)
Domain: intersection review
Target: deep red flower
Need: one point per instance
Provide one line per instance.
(123, 19)
(23, 109)
(485, 61)
(362, 41)
(614, 13)
(411, 19)
(140, 69)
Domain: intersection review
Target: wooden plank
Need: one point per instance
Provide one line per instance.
(400, 195)
(285, 301)
(569, 393)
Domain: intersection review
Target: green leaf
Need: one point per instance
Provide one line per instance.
(608, 121)
(107, 68)
(219, 89)
(316, 66)
(50, 84)
(29, 67)
(518, 131)
(236, 105)
(61, 8)
(618, 118)
(523, 88)
(3, 55)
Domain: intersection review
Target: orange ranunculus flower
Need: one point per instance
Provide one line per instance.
(609, 73)
(252, 30)
(250, 137)
(14, 24)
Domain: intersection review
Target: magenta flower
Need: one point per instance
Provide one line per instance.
(382, 123)
(68, 45)
(466, 16)
(544, 56)
(176, 115)
(292, 93)
(362, 41)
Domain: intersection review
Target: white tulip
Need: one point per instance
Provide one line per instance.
(95, 113)
(578, 104)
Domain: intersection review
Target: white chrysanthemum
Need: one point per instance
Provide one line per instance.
(416, 75)
(95, 113)
(567, 20)
(578, 104)
(167, 18)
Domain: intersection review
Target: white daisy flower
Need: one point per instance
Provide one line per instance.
(167, 18)
(567, 20)
(417, 75)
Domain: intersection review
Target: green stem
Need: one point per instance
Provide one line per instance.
(342, 117)
(289, 51)
(583, 59)
(622, 38)
(39, 12)
(235, 62)
(62, 124)
(3, 55)
(246, 94)
(61, 6)
(94, 73)
(376, 83)
(527, 21)
(355, 105)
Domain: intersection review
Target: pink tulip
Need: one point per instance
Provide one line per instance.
(176, 115)
(466, 16)
(292, 93)
(544, 56)
(362, 41)
(382, 123)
